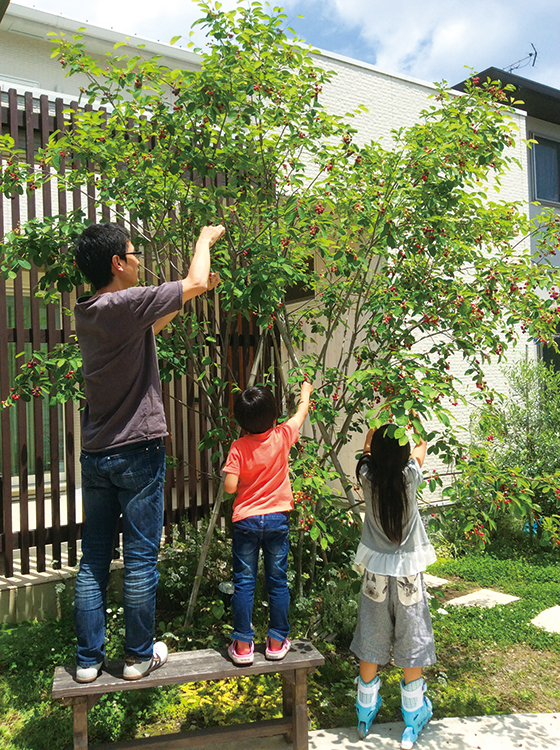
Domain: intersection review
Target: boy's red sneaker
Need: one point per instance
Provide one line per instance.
(241, 659)
(276, 655)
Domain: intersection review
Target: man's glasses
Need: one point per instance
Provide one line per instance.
(138, 253)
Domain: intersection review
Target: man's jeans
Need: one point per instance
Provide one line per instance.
(125, 481)
(271, 532)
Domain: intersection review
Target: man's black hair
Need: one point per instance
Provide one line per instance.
(256, 410)
(95, 249)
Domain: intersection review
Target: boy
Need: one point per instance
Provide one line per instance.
(123, 426)
(257, 469)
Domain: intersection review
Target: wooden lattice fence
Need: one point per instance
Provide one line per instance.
(40, 521)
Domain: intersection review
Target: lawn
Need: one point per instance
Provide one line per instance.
(489, 661)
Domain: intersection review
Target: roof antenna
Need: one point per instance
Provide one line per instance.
(531, 57)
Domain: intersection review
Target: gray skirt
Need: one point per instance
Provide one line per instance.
(394, 617)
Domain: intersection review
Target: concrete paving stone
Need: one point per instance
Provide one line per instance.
(482, 598)
(549, 619)
(433, 582)
(509, 732)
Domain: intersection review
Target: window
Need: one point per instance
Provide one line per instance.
(301, 291)
(546, 161)
(548, 355)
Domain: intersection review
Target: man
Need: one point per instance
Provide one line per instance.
(123, 426)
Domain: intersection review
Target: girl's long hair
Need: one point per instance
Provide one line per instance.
(385, 466)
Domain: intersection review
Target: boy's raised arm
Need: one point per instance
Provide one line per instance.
(303, 408)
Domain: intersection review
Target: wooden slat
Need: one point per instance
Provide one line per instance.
(21, 409)
(191, 445)
(175, 426)
(203, 505)
(76, 193)
(69, 441)
(184, 667)
(178, 435)
(215, 316)
(70, 466)
(246, 350)
(105, 210)
(40, 543)
(60, 125)
(6, 554)
(91, 212)
(38, 438)
(168, 487)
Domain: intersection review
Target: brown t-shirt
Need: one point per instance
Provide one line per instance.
(120, 368)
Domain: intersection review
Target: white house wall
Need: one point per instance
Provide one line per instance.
(25, 50)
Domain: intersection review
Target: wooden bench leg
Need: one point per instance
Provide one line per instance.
(80, 708)
(300, 738)
(288, 682)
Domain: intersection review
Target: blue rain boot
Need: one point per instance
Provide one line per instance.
(416, 711)
(368, 703)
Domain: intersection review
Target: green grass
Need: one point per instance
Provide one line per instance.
(489, 661)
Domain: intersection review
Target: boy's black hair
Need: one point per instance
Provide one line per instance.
(385, 465)
(95, 249)
(255, 410)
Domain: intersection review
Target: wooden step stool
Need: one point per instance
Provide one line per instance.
(197, 666)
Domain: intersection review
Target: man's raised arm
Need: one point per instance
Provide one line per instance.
(199, 278)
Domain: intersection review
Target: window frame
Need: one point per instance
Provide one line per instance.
(540, 137)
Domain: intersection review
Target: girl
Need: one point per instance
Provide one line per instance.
(393, 552)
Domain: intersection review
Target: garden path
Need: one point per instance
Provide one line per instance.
(549, 619)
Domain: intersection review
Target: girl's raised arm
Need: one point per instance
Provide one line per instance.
(419, 451)
(367, 444)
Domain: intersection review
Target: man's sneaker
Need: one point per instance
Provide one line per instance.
(88, 674)
(368, 703)
(241, 659)
(273, 655)
(134, 669)
(416, 711)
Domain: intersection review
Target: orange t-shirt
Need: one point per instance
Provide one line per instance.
(261, 463)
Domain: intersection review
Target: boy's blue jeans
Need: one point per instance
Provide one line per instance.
(125, 481)
(271, 533)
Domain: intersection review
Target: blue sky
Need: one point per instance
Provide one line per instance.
(427, 39)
